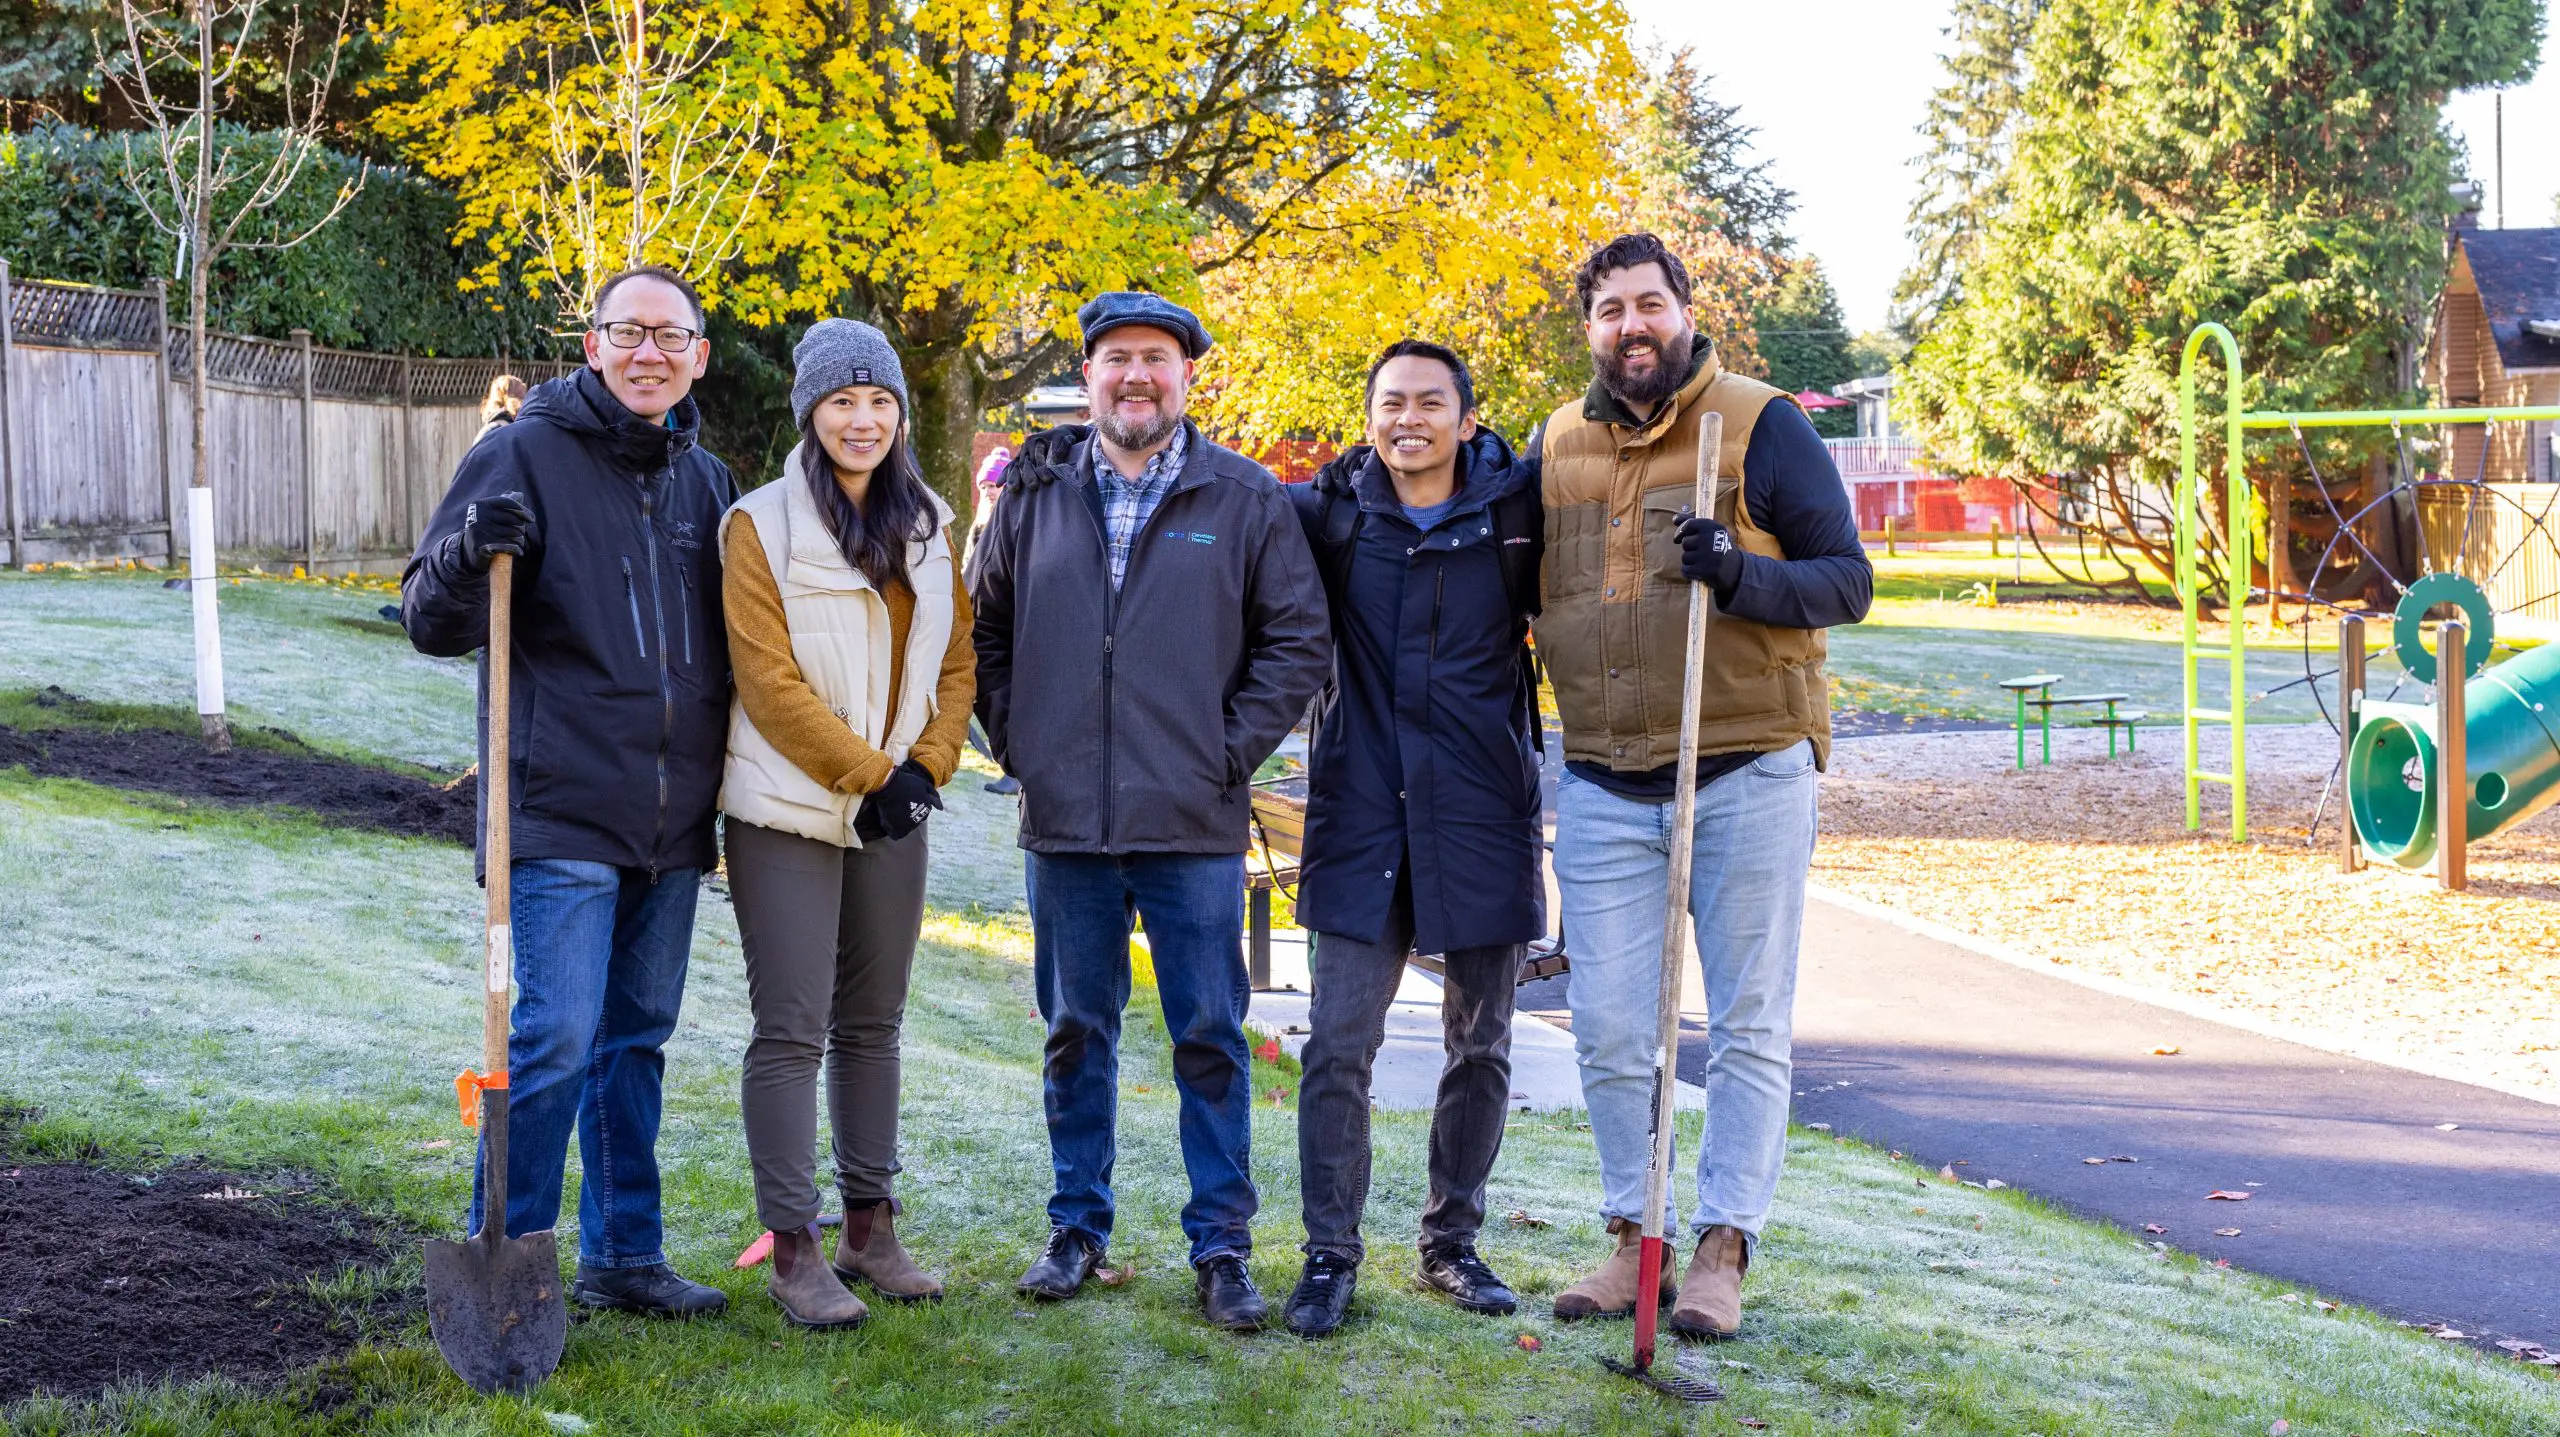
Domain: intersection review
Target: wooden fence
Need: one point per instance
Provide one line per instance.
(326, 458)
(2506, 536)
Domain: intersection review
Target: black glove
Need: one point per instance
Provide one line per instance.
(1335, 478)
(898, 807)
(1708, 554)
(499, 524)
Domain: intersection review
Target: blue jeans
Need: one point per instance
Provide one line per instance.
(1192, 904)
(600, 963)
(1753, 841)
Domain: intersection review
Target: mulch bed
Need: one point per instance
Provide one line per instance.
(158, 761)
(109, 1279)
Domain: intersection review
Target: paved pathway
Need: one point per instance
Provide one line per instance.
(1951, 1055)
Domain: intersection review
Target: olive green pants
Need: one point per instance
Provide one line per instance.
(830, 936)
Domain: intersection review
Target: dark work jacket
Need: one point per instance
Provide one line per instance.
(1423, 767)
(621, 675)
(1135, 719)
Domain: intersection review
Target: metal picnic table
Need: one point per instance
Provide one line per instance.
(2037, 689)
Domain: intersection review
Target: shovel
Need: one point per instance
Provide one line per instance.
(494, 1302)
(1675, 954)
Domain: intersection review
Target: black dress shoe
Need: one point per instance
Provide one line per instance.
(1227, 1295)
(658, 1291)
(1323, 1295)
(1064, 1264)
(1458, 1272)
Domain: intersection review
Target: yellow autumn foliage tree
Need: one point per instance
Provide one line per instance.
(965, 172)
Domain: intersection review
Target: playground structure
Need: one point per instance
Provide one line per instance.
(2496, 725)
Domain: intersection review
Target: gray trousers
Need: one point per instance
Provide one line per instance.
(830, 936)
(1353, 984)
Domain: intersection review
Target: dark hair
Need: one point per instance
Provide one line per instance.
(896, 511)
(1627, 252)
(619, 278)
(1425, 349)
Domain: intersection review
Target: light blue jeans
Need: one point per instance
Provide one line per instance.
(1753, 843)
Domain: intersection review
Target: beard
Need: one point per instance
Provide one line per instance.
(1642, 392)
(1143, 435)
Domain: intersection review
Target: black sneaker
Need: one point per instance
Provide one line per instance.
(658, 1291)
(1323, 1296)
(1227, 1295)
(1457, 1271)
(1064, 1264)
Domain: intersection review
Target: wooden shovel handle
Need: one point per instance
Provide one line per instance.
(496, 848)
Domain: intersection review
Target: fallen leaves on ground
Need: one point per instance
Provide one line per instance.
(2227, 1195)
(2226, 1232)
(1527, 1343)
(1119, 1276)
(2153, 1227)
(1520, 1217)
(435, 1145)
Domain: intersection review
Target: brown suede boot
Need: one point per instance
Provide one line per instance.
(1611, 1292)
(807, 1292)
(1710, 1302)
(868, 1250)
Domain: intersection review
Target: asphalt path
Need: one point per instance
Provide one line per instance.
(2356, 1189)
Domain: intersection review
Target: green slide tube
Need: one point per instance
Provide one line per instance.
(2512, 742)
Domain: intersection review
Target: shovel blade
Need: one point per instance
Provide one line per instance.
(497, 1311)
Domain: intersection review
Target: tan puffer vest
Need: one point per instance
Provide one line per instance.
(1617, 609)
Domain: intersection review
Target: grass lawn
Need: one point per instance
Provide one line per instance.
(273, 995)
(1920, 653)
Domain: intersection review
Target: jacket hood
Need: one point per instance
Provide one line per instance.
(580, 404)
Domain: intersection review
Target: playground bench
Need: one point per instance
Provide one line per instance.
(1271, 864)
(2036, 690)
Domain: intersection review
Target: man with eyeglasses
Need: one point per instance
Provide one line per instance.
(618, 724)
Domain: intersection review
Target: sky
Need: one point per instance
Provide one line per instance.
(1838, 104)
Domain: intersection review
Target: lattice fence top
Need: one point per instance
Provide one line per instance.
(45, 312)
(86, 316)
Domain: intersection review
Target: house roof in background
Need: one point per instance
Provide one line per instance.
(2518, 276)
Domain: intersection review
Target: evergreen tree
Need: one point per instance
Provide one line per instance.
(1704, 147)
(2278, 165)
(1968, 126)
(1804, 339)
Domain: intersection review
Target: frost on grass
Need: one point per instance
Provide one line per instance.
(309, 658)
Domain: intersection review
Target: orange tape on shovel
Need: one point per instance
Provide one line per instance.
(468, 1086)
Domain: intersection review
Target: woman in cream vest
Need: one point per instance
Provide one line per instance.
(849, 634)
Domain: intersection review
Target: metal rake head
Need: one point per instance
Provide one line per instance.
(1674, 1384)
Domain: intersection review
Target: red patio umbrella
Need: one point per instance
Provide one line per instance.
(1816, 399)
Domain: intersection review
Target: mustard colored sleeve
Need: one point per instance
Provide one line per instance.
(777, 698)
(954, 695)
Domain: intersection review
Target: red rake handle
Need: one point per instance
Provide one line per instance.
(1648, 1299)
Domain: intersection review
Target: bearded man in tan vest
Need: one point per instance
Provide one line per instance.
(1780, 554)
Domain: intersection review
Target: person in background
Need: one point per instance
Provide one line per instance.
(500, 405)
(620, 719)
(849, 632)
(1781, 558)
(1423, 820)
(990, 483)
(1149, 628)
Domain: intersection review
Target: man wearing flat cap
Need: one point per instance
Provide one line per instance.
(1149, 625)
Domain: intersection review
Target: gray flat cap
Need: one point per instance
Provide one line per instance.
(1121, 308)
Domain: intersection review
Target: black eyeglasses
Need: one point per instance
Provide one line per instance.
(670, 338)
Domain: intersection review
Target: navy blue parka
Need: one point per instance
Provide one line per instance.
(1423, 773)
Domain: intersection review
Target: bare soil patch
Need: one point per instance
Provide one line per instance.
(159, 761)
(2088, 864)
(108, 1279)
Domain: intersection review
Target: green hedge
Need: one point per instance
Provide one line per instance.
(384, 275)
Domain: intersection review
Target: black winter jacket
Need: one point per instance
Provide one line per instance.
(1135, 720)
(621, 673)
(1423, 769)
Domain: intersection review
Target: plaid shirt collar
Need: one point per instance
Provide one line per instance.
(1127, 502)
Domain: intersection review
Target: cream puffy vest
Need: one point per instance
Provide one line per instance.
(840, 638)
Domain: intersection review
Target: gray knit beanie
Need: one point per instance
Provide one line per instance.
(837, 354)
